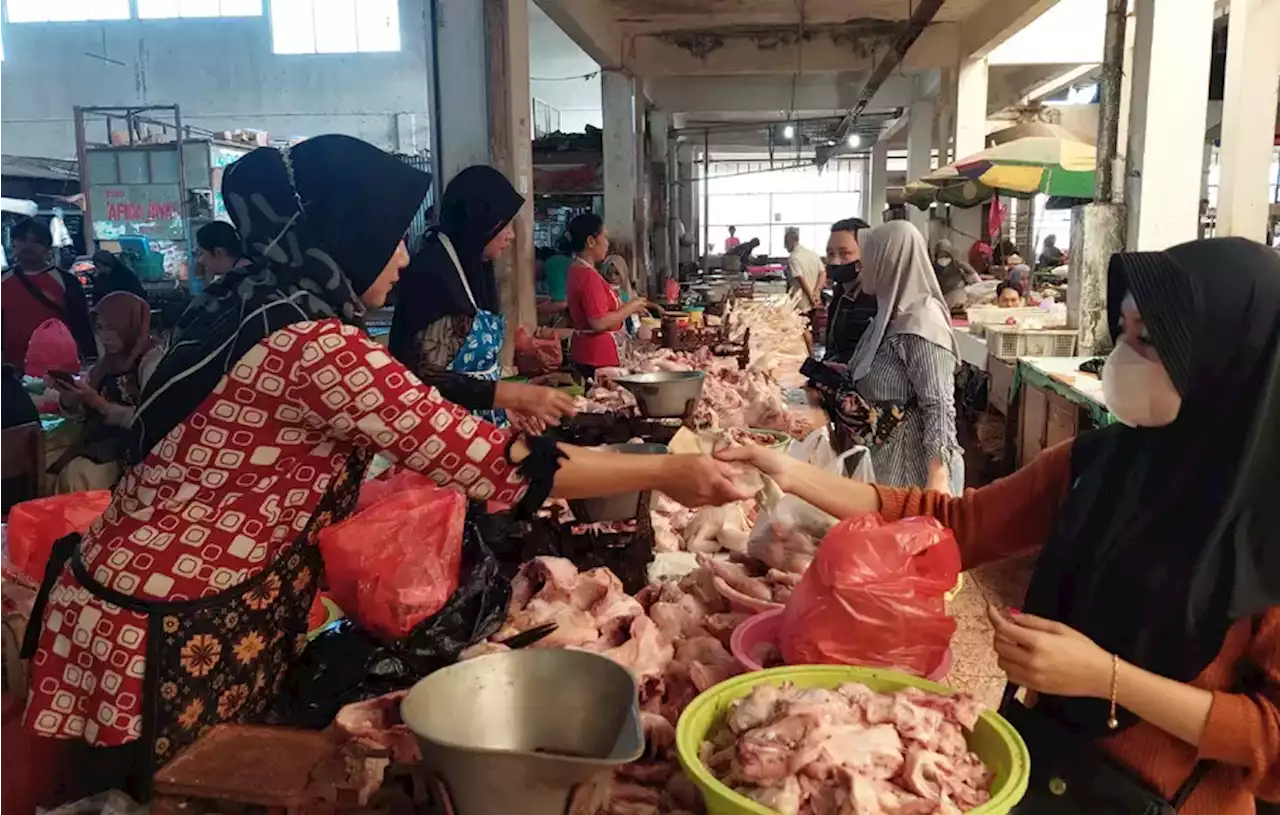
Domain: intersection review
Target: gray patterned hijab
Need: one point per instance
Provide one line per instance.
(319, 222)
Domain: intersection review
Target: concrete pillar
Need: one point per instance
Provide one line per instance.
(460, 88)
(919, 155)
(1248, 118)
(618, 95)
(864, 187)
(659, 124)
(879, 182)
(1170, 50)
(970, 138)
(685, 207)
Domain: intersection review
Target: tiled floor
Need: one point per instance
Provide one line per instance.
(973, 666)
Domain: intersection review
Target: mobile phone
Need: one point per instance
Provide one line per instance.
(63, 377)
(821, 374)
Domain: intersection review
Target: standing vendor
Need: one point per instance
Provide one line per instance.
(185, 605)
(595, 309)
(34, 290)
(851, 309)
(448, 327)
(953, 275)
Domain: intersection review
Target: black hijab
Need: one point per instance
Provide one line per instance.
(319, 222)
(1168, 535)
(478, 204)
(117, 276)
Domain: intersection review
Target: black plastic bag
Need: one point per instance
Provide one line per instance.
(345, 664)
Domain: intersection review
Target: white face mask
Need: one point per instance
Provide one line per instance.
(944, 261)
(1137, 390)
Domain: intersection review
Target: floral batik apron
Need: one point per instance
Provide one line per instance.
(480, 354)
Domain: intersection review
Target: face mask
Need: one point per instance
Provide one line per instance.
(1137, 390)
(944, 262)
(844, 272)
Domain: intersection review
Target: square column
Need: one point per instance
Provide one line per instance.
(685, 207)
(1171, 46)
(1248, 118)
(971, 137)
(878, 197)
(919, 156)
(460, 124)
(660, 175)
(618, 95)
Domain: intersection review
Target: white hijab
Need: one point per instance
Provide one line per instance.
(896, 268)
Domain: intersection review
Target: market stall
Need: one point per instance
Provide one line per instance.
(1052, 400)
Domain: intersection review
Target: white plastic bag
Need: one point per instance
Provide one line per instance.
(787, 534)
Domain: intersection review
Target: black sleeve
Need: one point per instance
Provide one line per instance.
(77, 311)
(469, 392)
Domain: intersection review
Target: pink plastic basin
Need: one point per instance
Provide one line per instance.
(762, 629)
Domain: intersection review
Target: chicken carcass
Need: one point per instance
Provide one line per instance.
(712, 529)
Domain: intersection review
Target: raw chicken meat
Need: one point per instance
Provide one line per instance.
(712, 529)
(848, 751)
(376, 725)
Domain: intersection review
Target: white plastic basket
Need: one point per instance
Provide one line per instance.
(1009, 342)
(1024, 316)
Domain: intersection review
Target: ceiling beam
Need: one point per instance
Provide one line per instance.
(735, 14)
(997, 21)
(772, 92)
(591, 25)
(680, 55)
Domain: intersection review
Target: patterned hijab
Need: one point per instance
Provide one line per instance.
(319, 222)
(130, 317)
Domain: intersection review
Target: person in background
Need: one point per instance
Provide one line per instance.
(220, 250)
(555, 269)
(1008, 296)
(448, 326)
(980, 256)
(111, 274)
(595, 309)
(852, 309)
(905, 365)
(1150, 635)
(616, 270)
(808, 272)
(732, 241)
(1005, 254)
(1020, 277)
(253, 435)
(1051, 256)
(106, 399)
(34, 290)
(953, 275)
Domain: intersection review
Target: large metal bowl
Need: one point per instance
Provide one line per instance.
(622, 507)
(667, 395)
(515, 732)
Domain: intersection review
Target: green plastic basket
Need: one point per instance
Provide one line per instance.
(993, 739)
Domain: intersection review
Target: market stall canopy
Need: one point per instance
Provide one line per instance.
(1055, 166)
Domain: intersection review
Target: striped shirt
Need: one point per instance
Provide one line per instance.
(906, 368)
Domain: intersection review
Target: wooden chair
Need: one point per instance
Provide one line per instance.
(21, 463)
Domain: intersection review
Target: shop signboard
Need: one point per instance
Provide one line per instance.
(153, 210)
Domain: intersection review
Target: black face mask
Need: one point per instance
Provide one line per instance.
(844, 272)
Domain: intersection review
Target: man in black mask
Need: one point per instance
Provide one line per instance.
(851, 310)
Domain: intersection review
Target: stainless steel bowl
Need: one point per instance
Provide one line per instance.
(622, 507)
(665, 395)
(516, 731)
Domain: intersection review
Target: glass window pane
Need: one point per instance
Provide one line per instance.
(198, 8)
(157, 9)
(378, 25)
(335, 26)
(293, 27)
(241, 8)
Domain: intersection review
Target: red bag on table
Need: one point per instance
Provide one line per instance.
(35, 525)
(536, 353)
(395, 562)
(874, 596)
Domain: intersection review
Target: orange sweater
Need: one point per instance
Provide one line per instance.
(1242, 734)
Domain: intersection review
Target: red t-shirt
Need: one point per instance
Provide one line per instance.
(590, 298)
(23, 313)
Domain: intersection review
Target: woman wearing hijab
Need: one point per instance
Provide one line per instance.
(1051, 256)
(448, 317)
(110, 274)
(1020, 278)
(1152, 642)
(184, 605)
(902, 404)
(106, 401)
(953, 275)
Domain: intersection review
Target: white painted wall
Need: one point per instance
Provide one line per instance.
(552, 56)
(1069, 32)
(221, 72)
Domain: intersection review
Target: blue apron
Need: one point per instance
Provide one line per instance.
(479, 356)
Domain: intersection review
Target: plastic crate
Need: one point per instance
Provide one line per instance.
(994, 315)
(1010, 342)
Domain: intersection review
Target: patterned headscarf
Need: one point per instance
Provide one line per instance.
(319, 222)
(130, 317)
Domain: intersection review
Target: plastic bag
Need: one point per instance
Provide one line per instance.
(35, 525)
(786, 535)
(376, 489)
(394, 563)
(874, 596)
(52, 348)
(345, 664)
(537, 353)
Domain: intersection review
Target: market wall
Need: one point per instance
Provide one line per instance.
(222, 73)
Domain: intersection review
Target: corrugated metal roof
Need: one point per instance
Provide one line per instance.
(35, 167)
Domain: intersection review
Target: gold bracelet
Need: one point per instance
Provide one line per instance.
(1113, 722)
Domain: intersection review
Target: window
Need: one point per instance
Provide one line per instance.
(334, 26)
(65, 11)
(169, 9)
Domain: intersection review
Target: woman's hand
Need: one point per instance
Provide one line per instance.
(1048, 657)
(79, 391)
(534, 403)
(939, 479)
(773, 463)
(696, 481)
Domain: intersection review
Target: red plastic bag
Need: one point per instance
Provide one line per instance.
(395, 563)
(52, 348)
(874, 596)
(35, 525)
(537, 353)
(374, 490)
